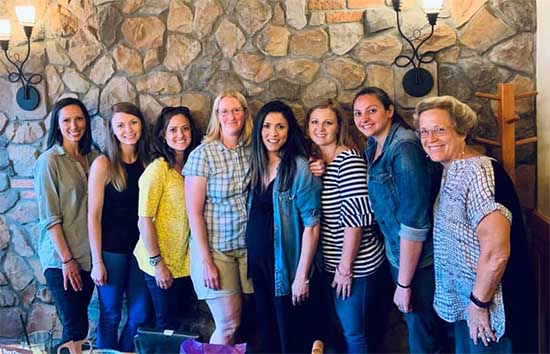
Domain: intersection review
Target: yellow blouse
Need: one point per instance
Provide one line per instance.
(161, 197)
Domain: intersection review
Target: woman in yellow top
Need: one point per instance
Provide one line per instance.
(162, 250)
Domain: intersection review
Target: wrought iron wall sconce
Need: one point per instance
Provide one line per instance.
(418, 81)
(28, 97)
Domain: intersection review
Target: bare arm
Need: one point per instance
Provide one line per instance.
(148, 235)
(493, 233)
(99, 174)
(344, 276)
(195, 196)
(300, 287)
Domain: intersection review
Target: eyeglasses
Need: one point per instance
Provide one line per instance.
(437, 131)
(234, 111)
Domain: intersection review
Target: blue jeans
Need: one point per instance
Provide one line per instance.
(464, 344)
(123, 278)
(355, 313)
(72, 306)
(426, 329)
(169, 303)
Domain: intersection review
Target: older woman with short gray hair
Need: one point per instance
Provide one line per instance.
(484, 280)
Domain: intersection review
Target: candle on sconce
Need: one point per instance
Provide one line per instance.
(5, 30)
(432, 6)
(26, 15)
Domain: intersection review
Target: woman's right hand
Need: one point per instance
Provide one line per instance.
(99, 274)
(211, 275)
(163, 276)
(71, 274)
(316, 167)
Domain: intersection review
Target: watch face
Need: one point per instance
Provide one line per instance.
(153, 262)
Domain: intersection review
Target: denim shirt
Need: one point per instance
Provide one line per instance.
(400, 190)
(293, 210)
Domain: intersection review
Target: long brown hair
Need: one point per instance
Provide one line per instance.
(112, 148)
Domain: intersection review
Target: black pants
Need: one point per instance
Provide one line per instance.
(282, 327)
(72, 306)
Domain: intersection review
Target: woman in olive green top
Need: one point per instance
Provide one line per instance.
(61, 174)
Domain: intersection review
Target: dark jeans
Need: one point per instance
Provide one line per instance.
(426, 329)
(123, 278)
(283, 327)
(72, 306)
(464, 344)
(170, 303)
(356, 312)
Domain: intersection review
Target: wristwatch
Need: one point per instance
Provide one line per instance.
(153, 261)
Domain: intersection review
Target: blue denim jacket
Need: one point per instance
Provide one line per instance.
(293, 209)
(400, 191)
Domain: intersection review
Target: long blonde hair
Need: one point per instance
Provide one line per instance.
(213, 132)
(112, 149)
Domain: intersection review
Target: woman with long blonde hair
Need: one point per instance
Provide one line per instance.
(216, 181)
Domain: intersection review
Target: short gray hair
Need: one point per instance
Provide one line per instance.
(464, 119)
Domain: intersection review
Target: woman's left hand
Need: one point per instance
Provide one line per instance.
(300, 290)
(480, 325)
(342, 285)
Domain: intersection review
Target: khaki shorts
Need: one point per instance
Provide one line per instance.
(232, 269)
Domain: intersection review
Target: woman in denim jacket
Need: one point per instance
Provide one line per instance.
(282, 230)
(400, 191)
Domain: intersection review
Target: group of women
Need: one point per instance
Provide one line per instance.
(258, 208)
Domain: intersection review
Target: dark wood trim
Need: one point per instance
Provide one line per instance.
(540, 229)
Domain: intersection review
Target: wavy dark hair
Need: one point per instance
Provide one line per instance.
(159, 131)
(112, 148)
(54, 134)
(386, 101)
(293, 147)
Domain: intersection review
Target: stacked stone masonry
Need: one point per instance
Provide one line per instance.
(183, 52)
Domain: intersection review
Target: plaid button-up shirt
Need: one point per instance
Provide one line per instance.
(227, 173)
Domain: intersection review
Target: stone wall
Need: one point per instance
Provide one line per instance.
(171, 52)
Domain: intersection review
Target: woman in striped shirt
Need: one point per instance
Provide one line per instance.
(353, 252)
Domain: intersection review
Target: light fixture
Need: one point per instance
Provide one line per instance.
(418, 81)
(27, 96)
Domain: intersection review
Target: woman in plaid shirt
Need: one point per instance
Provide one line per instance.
(216, 182)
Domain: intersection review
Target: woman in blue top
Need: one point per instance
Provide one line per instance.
(282, 230)
(401, 195)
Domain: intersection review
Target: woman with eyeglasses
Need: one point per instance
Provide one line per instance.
(282, 231)
(112, 227)
(162, 251)
(61, 187)
(484, 277)
(217, 175)
(401, 193)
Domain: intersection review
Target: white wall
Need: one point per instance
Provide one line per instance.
(543, 106)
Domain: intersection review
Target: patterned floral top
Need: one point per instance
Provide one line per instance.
(161, 197)
(467, 195)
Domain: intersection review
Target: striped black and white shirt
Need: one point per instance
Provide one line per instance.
(345, 204)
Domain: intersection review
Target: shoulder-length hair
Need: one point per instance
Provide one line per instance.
(113, 152)
(159, 131)
(344, 137)
(214, 130)
(54, 134)
(463, 118)
(386, 101)
(293, 147)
